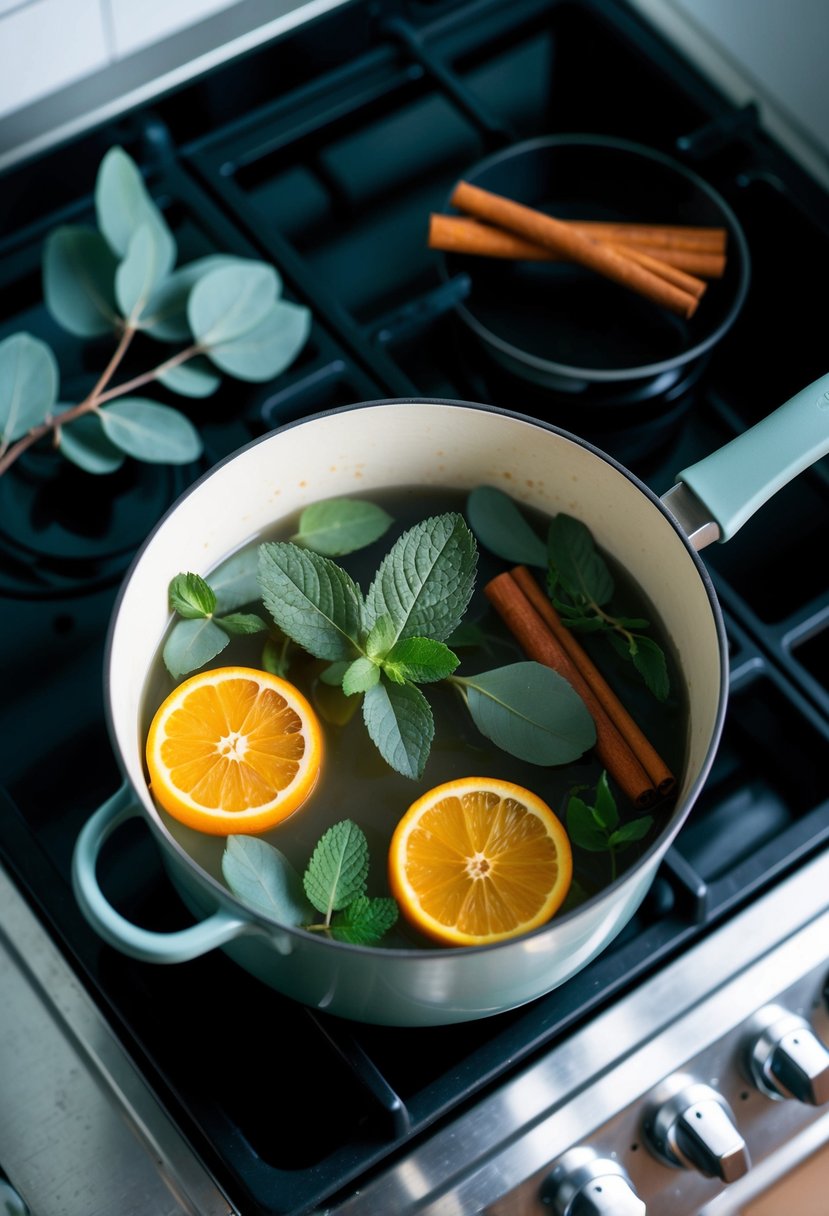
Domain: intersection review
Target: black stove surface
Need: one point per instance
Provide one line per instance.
(324, 153)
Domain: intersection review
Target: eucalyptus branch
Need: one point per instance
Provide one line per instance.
(176, 360)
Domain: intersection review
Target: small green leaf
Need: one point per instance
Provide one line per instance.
(582, 828)
(123, 205)
(380, 638)
(148, 431)
(165, 317)
(425, 581)
(341, 525)
(359, 676)
(28, 385)
(79, 281)
(191, 597)
(262, 877)
(636, 829)
(311, 599)
(276, 657)
(604, 809)
(499, 525)
(421, 660)
(235, 581)
(191, 644)
(230, 300)
(531, 712)
(365, 921)
(586, 624)
(466, 635)
(195, 378)
(334, 674)
(337, 871)
(139, 273)
(580, 567)
(84, 443)
(267, 349)
(400, 724)
(241, 623)
(649, 661)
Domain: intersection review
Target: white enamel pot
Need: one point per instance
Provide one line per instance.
(370, 447)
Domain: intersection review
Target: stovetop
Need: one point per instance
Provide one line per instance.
(325, 153)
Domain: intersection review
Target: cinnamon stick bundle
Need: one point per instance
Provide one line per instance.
(621, 746)
(545, 230)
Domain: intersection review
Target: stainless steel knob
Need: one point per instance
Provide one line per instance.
(584, 1184)
(786, 1059)
(695, 1128)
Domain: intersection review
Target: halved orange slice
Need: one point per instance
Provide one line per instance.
(233, 750)
(477, 860)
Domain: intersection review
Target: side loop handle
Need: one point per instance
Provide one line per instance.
(144, 944)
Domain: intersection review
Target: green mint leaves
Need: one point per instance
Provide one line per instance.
(334, 884)
(311, 599)
(201, 635)
(579, 583)
(596, 827)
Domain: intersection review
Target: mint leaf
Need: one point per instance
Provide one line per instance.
(421, 660)
(341, 525)
(262, 877)
(531, 712)
(364, 921)
(629, 832)
(380, 638)
(580, 567)
(649, 661)
(425, 582)
(191, 644)
(604, 810)
(583, 829)
(311, 599)
(337, 871)
(241, 623)
(191, 597)
(500, 527)
(359, 676)
(400, 724)
(335, 673)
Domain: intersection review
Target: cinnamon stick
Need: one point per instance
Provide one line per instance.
(462, 234)
(552, 233)
(540, 643)
(656, 768)
(656, 236)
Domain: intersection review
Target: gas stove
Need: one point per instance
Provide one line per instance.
(684, 1071)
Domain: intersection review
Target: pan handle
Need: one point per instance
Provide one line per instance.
(734, 482)
(143, 944)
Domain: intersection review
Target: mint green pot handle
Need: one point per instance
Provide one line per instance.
(735, 481)
(143, 944)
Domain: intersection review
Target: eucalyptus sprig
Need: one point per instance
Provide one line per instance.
(333, 884)
(596, 827)
(385, 644)
(117, 279)
(579, 582)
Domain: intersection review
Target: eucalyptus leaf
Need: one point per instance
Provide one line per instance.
(421, 660)
(138, 274)
(268, 348)
(231, 300)
(235, 582)
(341, 525)
(123, 205)
(359, 676)
(364, 921)
(79, 281)
(165, 317)
(149, 431)
(190, 596)
(311, 599)
(400, 724)
(84, 443)
(499, 525)
(241, 624)
(261, 876)
(195, 378)
(426, 580)
(337, 871)
(581, 569)
(531, 712)
(28, 385)
(191, 644)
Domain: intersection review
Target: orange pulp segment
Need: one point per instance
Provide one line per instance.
(477, 860)
(233, 750)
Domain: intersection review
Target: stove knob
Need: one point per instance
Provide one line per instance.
(695, 1128)
(786, 1059)
(585, 1184)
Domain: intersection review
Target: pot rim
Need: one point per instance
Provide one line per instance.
(658, 846)
(551, 368)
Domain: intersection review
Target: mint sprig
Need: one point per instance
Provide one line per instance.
(334, 884)
(596, 826)
(201, 634)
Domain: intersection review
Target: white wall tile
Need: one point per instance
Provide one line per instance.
(45, 45)
(138, 25)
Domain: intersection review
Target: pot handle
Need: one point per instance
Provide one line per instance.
(143, 944)
(734, 482)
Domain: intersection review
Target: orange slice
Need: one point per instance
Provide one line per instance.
(233, 750)
(477, 860)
